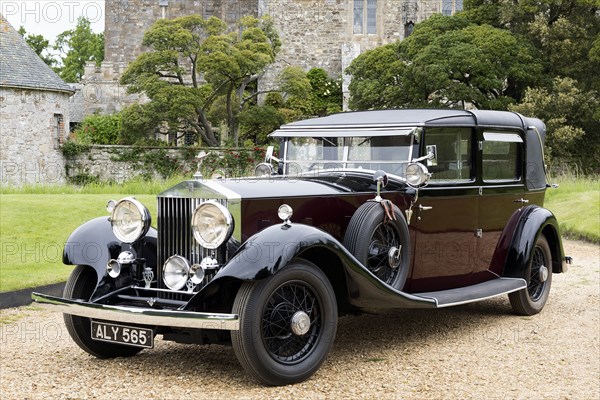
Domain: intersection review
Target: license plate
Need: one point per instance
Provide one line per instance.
(122, 334)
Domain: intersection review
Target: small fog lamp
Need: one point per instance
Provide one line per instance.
(175, 272)
(285, 212)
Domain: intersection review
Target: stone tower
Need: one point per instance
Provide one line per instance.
(315, 33)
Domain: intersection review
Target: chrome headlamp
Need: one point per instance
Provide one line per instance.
(417, 174)
(212, 224)
(130, 220)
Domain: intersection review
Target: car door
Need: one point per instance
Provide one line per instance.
(502, 191)
(446, 214)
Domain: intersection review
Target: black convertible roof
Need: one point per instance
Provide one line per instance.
(382, 119)
(403, 122)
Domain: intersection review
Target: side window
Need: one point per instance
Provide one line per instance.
(501, 157)
(454, 153)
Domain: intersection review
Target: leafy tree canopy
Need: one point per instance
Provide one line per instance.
(40, 45)
(447, 61)
(571, 122)
(77, 47)
(566, 36)
(196, 64)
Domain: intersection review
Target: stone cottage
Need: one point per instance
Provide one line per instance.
(34, 114)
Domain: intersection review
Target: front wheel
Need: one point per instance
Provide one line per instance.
(538, 275)
(287, 324)
(81, 285)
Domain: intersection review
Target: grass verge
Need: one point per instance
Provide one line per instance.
(576, 205)
(35, 228)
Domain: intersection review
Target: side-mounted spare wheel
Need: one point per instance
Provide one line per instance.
(538, 275)
(81, 285)
(380, 243)
(287, 324)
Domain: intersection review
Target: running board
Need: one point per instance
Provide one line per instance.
(470, 294)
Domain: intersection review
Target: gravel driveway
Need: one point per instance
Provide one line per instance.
(479, 351)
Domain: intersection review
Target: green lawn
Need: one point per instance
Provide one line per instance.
(576, 205)
(34, 229)
(36, 222)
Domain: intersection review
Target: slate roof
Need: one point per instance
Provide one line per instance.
(20, 67)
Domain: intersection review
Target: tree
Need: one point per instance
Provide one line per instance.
(237, 60)
(193, 62)
(78, 46)
(446, 62)
(571, 122)
(40, 45)
(566, 35)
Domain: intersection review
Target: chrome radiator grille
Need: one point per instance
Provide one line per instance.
(175, 232)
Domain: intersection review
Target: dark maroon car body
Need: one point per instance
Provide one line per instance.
(476, 229)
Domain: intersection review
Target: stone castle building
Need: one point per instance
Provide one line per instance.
(315, 33)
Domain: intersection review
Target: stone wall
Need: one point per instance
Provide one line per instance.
(34, 124)
(101, 163)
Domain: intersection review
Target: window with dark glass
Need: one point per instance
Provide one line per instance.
(408, 28)
(454, 153)
(450, 7)
(501, 154)
(59, 130)
(365, 17)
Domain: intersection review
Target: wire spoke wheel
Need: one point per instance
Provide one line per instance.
(536, 285)
(381, 245)
(532, 299)
(288, 300)
(287, 324)
(385, 239)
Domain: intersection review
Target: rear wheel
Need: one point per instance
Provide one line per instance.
(81, 285)
(532, 299)
(287, 324)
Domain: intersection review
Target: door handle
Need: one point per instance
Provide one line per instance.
(424, 208)
(521, 200)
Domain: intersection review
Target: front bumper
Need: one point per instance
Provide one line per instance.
(140, 315)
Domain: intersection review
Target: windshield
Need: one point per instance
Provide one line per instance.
(308, 154)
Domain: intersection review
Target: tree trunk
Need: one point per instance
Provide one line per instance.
(230, 117)
(206, 131)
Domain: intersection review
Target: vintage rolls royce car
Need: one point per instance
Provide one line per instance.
(360, 212)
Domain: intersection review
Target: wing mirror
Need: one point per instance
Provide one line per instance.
(381, 178)
(269, 155)
(431, 156)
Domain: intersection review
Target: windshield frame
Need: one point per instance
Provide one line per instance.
(412, 133)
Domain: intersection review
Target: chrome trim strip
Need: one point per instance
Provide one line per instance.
(139, 315)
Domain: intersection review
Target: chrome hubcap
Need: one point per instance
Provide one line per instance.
(300, 323)
(543, 273)
(394, 257)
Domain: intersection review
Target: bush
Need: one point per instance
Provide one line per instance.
(100, 129)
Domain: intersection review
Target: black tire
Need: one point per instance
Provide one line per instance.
(266, 344)
(370, 239)
(531, 300)
(81, 285)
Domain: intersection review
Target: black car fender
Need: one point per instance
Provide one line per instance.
(272, 249)
(533, 222)
(94, 244)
